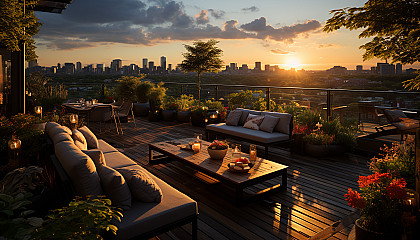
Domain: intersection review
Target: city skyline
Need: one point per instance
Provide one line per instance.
(287, 34)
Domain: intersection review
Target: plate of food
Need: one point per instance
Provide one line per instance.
(241, 165)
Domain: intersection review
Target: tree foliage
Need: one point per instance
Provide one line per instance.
(18, 25)
(202, 57)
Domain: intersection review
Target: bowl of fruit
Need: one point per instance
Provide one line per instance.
(240, 165)
(218, 149)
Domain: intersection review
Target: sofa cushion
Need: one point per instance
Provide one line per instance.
(67, 129)
(238, 131)
(269, 123)
(407, 124)
(283, 126)
(92, 141)
(79, 140)
(97, 157)
(57, 133)
(118, 160)
(253, 121)
(245, 113)
(80, 168)
(115, 187)
(144, 217)
(394, 115)
(142, 186)
(233, 117)
(105, 147)
(60, 137)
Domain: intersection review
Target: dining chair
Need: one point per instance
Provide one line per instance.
(124, 111)
(103, 114)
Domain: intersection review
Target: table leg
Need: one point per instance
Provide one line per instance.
(284, 179)
(150, 155)
(239, 194)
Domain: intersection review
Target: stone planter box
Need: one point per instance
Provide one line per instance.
(324, 150)
(183, 116)
(168, 115)
(141, 109)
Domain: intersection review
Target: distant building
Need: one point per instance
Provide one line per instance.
(78, 67)
(233, 67)
(69, 68)
(257, 66)
(410, 71)
(398, 69)
(169, 67)
(163, 62)
(267, 67)
(116, 65)
(359, 68)
(99, 68)
(337, 70)
(33, 64)
(385, 69)
(145, 63)
(373, 70)
(244, 68)
(151, 66)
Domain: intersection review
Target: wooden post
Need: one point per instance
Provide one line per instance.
(267, 93)
(216, 93)
(417, 174)
(329, 104)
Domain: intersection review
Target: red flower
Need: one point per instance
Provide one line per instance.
(355, 200)
(374, 178)
(110, 98)
(396, 189)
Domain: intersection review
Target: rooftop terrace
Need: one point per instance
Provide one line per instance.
(314, 199)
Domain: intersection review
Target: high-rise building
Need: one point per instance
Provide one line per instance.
(359, 68)
(385, 69)
(169, 67)
(69, 68)
(116, 65)
(151, 66)
(267, 67)
(145, 63)
(244, 67)
(99, 68)
(233, 67)
(398, 68)
(78, 67)
(257, 66)
(58, 66)
(163, 63)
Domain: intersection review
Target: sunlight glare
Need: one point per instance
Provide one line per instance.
(293, 63)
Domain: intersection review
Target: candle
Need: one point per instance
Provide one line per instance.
(213, 116)
(196, 147)
(73, 118)
(252, 152)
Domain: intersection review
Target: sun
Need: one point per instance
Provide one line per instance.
(293, 63)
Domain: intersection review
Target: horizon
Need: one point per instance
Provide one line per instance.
(287, 34)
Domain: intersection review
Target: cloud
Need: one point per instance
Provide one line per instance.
(140, 22)
(327, 45)
(251, 9)
(202, 18)
(279, 51)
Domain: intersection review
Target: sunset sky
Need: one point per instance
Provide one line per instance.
(276, 32)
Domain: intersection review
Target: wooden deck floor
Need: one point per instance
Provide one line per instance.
(313, 201)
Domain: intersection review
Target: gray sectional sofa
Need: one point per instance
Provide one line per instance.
(282, 131)
(143, 219)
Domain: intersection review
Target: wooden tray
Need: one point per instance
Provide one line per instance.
(239, 171)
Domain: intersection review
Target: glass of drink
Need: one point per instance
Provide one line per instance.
(252, 153)
(236, 151)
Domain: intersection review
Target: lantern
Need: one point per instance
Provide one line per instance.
(38, 110)
(74, 118)
(14, 149)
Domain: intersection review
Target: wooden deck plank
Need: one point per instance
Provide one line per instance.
(314, 198)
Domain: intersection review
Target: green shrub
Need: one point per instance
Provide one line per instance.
(126, 89)
(184, 102)
(308, 118)
(143, 91)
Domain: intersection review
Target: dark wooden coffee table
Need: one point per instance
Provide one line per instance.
(263, 169)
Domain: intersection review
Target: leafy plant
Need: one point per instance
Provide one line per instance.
(156, 96)
(169, 103)
(143, 91)
(309, 118)
(380, 201)
(318, 138)
(81, 219)
(127, 86)
(184, 102)
(219, 145)
(244, 99)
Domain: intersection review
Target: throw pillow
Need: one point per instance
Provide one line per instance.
(269, 123)
(67, 129)
(97, 157)
(142, 187)
(91, 139)
(233, 118)
(79, 140)
(253, 121)
(394, 115)
(115, 187)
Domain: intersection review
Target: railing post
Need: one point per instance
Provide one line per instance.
(267, 94)
(182, 89)
(216, 93)
(329, 104)
(417, 173)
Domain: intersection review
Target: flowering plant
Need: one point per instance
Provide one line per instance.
(301, 129)
(219, 145)
(380, 201)
(319, 138)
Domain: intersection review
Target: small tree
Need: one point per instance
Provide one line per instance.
(202, 57)
(393, 25)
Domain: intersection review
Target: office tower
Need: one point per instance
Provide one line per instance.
(116, 65)
(58, 66)
(69, 68)
(151, 66)
(33, 63)
(373, 70)
(386, 69)
(78, 67)
(359, 68)
(169, 67)
(99, 68)
(244, 67)
(163, 63)
(257, 66)
(267, 67)
(398, 69)
(145, 63)
(233, 67)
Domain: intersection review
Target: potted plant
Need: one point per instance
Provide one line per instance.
(216, 108)
(218, 149)
(381, 206)
(198, 114)
(169, 109)
(184, 104)
(317, 144)
(141, 108)
(157, 93)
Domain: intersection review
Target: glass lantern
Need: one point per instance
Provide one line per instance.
(38, 110)
(14, 149)
(74, 118)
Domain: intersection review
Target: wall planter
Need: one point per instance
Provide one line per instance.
(168, 115)
(141, 109)
(183, 116)
(198, 119)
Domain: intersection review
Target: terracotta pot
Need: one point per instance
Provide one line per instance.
(141, 109)
(168, 115)
(183, 116)
(365, 234)
(217, 154)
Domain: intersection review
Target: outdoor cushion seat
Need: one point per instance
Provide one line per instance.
(119, 160)
(105, 147)
(260, 136)
(144, 217)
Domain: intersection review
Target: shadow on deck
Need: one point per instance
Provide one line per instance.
(314, 199)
